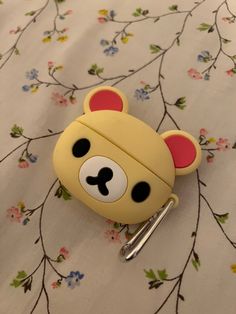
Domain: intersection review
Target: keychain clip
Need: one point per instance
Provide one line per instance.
(133, 247)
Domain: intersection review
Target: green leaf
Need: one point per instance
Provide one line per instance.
(63, 192)
(60, 1)
(173, 7)
(234, 70)
(178, 41)
(162, 274)
(154, 48)
(27, 284)
(30, 13)
(234, 146)
(222, 217)
(145, 12)
(195, 265)
(15, 283)
(225, 41)
(203, 27)
(234, 57)
(16, 51)
(21, 274)
(181, 297)
(150, 274)
(138, 12)
(16, 131)
(180, 103)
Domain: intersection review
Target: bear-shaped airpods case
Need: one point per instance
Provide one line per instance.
(118, 165)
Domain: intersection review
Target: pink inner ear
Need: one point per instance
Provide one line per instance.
(182, 149)
(106, 100)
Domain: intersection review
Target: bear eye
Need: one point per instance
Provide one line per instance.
(81, 147)
(140, 191)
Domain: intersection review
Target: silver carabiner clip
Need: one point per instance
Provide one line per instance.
(133, 247)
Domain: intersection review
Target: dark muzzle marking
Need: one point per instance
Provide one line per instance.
(104, 175)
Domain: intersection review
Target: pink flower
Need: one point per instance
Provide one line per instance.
(203, 132)
(110, 222)
(102, 20)
(209, 158)
(14, 214)
(50, 64)
(223, 144)
(230, 72)
(23, 164)
(194, 74)
(55, 285)
(112, 236)
(64, 252)
(68, 12)
(59, 100)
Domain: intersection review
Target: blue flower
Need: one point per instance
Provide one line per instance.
(204, 56)
(26, 88)
(73, 279)
(141, 94)
(32, 74)
(104, 42)
(32, 158)
(110, 51)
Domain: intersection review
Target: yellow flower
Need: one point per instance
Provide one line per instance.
(124, 40)
(34, 89)
(103, 12)
(46, 39)
(211, 140)
(233, 268)
(61, 39)
(21, 205)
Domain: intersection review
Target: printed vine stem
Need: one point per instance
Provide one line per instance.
(221, 39)
(13, 48)
(27, 143)
(129, 23)
(45, 259)
(218, 223)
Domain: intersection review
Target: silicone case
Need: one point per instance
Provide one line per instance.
(118, 165)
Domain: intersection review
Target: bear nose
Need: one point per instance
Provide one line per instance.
(103, 179)
(104, 175)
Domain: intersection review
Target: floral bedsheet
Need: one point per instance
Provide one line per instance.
(176, 62)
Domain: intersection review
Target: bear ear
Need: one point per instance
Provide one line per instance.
(105, 98)
(185, 151)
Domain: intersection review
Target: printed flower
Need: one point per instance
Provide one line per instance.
(233, 268)
(23, 164)
(103, 12)
(54, 285)
(111, 51)
(203, 132)
(228, 19)
(204, 56)
(64, 252)
(32, 75)
(25, 88)
(223, 144)
(73, 279)
(59, 99)
(230, 72)
(110, 222)
(112, 236)
(32, 158)
(14, 214)
(194, 74)
(61, 39)
(50, 64)
(47, 39)
(102, 20)
(68, 12)
(141, 94)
